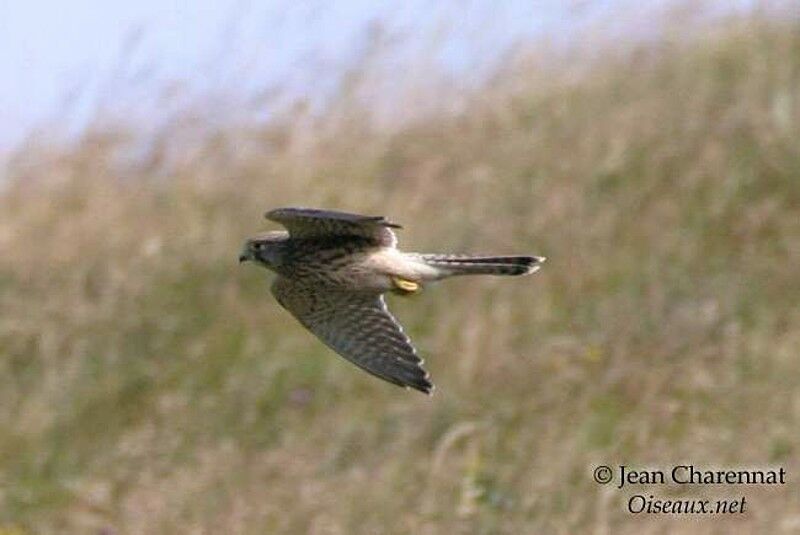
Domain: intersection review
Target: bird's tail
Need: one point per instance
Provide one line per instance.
(483, 265)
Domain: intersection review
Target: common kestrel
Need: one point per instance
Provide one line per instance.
(333, 269)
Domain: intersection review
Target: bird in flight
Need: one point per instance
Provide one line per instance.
(333, 269)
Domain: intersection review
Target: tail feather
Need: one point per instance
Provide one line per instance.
(484, 265)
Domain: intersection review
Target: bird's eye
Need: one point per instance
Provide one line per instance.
(258, 246)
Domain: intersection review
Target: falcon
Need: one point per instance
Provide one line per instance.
(333, 269)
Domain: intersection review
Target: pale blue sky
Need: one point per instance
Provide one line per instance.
(80, 54)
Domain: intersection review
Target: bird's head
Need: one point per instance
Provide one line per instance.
(265, 249)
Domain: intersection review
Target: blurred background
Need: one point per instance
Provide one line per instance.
(149, 384)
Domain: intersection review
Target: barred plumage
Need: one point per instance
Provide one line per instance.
(484, 265)
(333, 269)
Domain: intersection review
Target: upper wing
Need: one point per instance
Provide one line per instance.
(311, 223)
(359, 327)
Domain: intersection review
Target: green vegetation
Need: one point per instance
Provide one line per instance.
(149, 384)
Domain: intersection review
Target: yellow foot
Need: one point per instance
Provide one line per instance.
(405, 286)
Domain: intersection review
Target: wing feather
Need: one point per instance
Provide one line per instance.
(359, 327)
(313, 223)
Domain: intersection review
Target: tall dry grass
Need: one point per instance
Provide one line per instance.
(148, 384)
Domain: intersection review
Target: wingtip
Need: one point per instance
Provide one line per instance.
(383, 221)
(421, 383)
(426, 388)
(270, 213)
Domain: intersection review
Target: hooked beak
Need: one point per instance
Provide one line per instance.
(245, 255)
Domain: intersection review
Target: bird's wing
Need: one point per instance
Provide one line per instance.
(311, 223)
(359, 327)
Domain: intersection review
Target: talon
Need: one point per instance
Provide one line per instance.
(405, 286)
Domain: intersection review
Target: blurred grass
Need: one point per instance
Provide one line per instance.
(148, 384)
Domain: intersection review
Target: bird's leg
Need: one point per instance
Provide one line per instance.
(404, 286)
